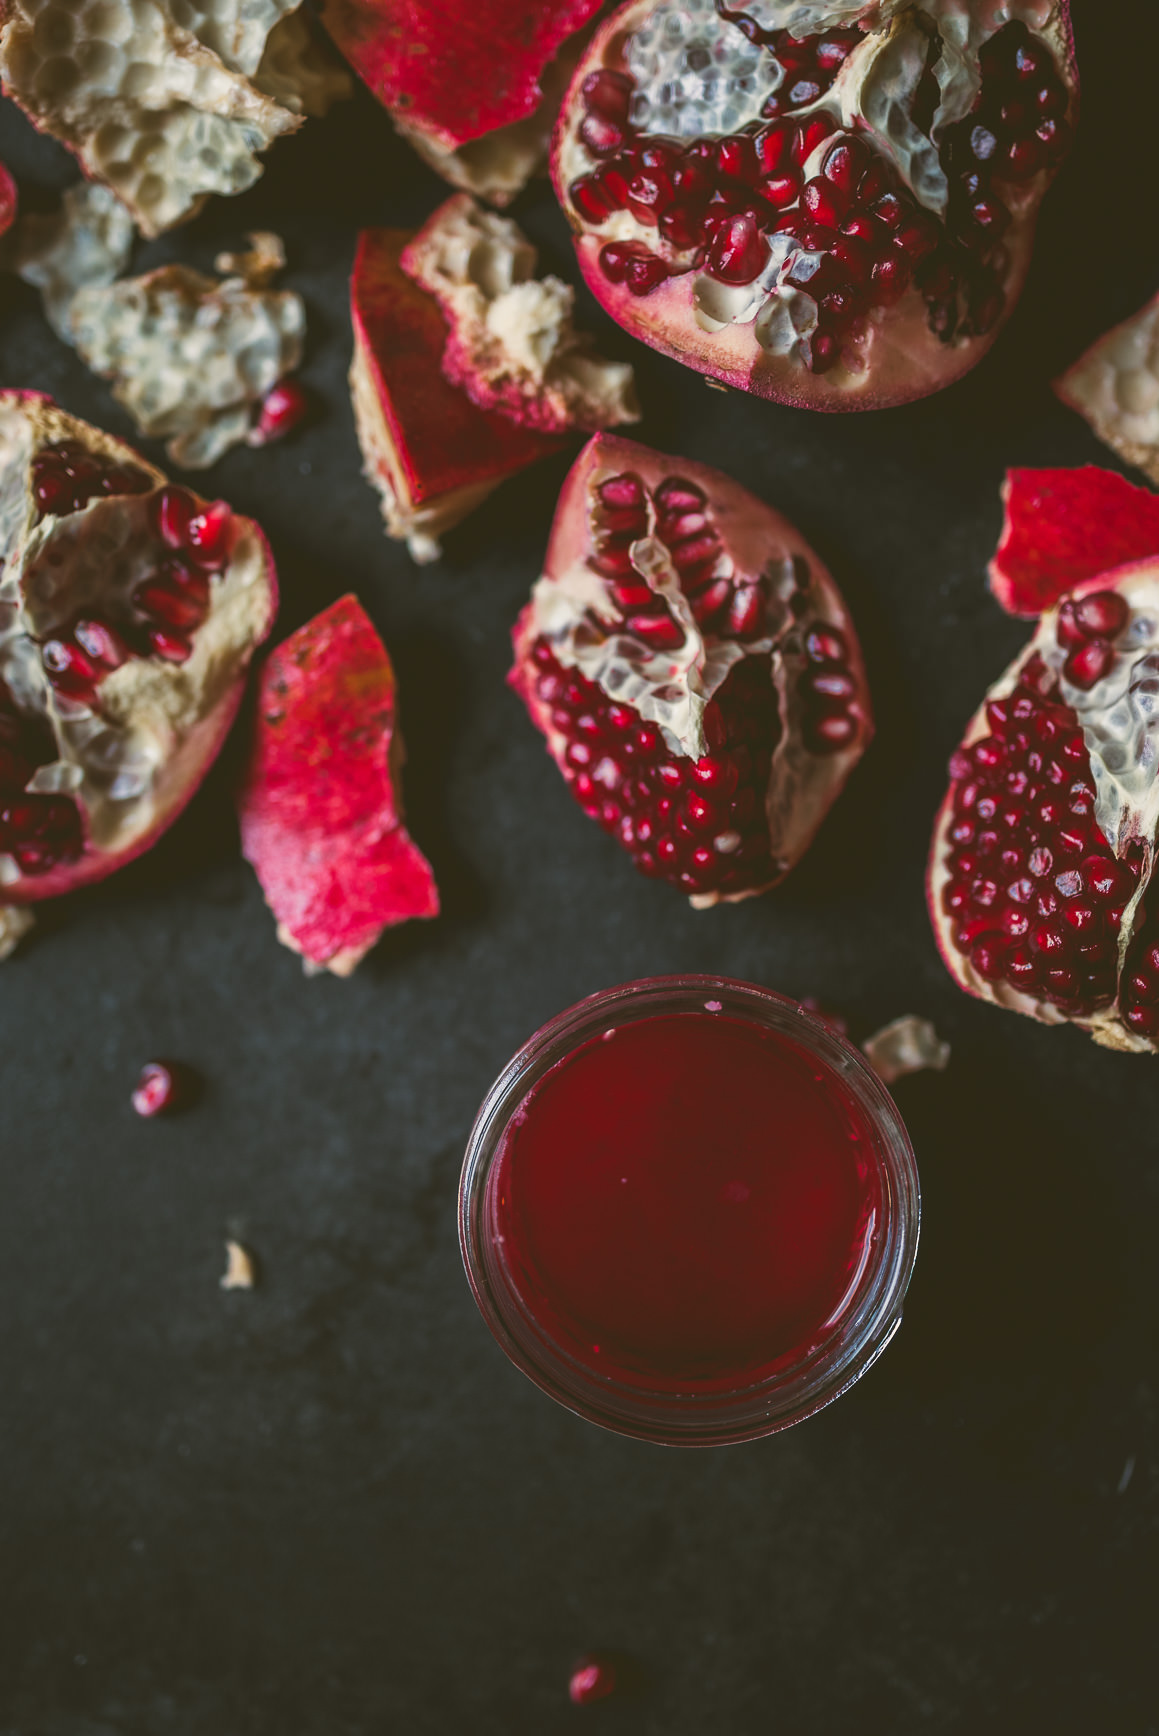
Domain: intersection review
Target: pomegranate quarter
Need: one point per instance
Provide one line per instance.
(129, 610)
(694, 669)
(1044, 850)
(823, 202)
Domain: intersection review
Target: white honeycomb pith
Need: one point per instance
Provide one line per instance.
(85, 244)
(692, 78)
(189, 356)
(157, 98)
(907, 1045)
(1116, 387)
(513, 346)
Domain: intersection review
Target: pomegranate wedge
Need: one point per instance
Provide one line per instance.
(321, 809)
(694, 669)
(1043, 853)
(473, 84)
(129, 610)
(430, 452)
(1115, 385)
(832, 205)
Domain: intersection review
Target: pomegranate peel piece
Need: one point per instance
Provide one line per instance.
(180, 116)
(190, 357)
(1115, 386)
(512, 346)
(321, 808)
(474, 88)
(432, 454)
(831, 206)
(694, 670)
(124, 643)
(1039, 882)
(1063, 526)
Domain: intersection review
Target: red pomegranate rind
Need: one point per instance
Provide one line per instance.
(693, 669)
(9, 200)
(803, 238)
(455, 70)
(1043, 849)
(321, 811)
(1064, 526)
(131, 610)
(1115, 387)
(431, 452)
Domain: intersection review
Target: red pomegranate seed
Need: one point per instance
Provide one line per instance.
(1102, 613)
(158, 1089)
(591, 198)
(845, 164)
(207, 536)
(71, 673)
(1089, 663)
(622, 491)
(774, 148)
(737, 251)
(649, 193)
(1068, 632)
(824, 202)
(736, 159)
(283, 408)
(608, 93)
(632, 263)
(601, 137)
(170, 606)
(173, 510)
(168, 644)
(101, 642)
(825, 644)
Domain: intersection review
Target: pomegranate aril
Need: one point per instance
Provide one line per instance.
(601, 137)
(649, 193)
(100, 642)
(284, 406)
(608, 93)
(1089, 663)
(626, 492)
(1102, 613)
(633, 264)
(168, 644)
(736, 159)
(737, 252)
(71, 672)
(207, 535)
(845, 164)
(157, 1090)
(174, 510)
(591, 198)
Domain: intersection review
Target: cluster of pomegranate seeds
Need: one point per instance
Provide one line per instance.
(1139, 989)
(730, 606)
(1085, 631)
(38, 831)
(827, 686)
(167, 607)
(863, 238)
(66, 476)
(1035, 892)
(699, 824)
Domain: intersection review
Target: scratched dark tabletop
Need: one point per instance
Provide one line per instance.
(329, 1507)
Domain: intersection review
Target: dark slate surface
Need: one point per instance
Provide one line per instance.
(329, 1507)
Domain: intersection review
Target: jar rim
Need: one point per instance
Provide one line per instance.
(812, 1380)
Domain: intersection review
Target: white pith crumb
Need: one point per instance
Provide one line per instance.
(907, 1045)
(259, 264)
(240, 1268)
(15, 922)
(514, 333)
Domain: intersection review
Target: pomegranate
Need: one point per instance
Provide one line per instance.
(473, 84)
(430, 452)
(821, 202)
(1115, 385)
(129, 610)
(166, 102)
(1043, 851)
(321, 811)
(512, 346)
(694, 669)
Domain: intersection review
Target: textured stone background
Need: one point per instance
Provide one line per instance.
(330, 1508)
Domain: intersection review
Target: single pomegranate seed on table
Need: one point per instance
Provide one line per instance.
(159, 1088)
(593, 1678)
(283, 408)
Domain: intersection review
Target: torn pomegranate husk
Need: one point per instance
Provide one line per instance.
(694, 670)
(129, 610)
(839, 216)
(1043, 852)
(1115, 385)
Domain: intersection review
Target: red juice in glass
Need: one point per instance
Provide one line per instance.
(690, 1210)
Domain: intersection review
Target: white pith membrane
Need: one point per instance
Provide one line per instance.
(499, 165)
(86, 244)
(1115, 385)
(697, 75)
(189, 356)
(1119, 718)
(132, 759)
(166, 101)
(418, 524)
(906, 1045)
(512, 343)
(575, 613)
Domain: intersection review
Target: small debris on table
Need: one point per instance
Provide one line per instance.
(908, 1045)
(15, 922)
(241, 1271)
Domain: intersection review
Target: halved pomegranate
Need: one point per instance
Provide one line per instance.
(129, 610)
(694, 669)
(1044, 849)
(823, 202)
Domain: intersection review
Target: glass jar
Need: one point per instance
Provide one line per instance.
(690, 1410)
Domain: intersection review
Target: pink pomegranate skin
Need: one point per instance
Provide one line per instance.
(784, 729)
(1039, 882)
(8, 200)
(454, 69)
(1063, 526)
(93, 863)
(320, 810)
(896, 357)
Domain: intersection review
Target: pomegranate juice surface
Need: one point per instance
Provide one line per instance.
(686, 1201)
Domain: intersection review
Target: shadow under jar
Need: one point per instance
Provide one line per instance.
(689, 1211)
